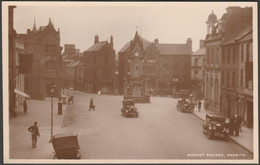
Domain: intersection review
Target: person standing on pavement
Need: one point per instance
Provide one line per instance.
(34, 132)
(25, 106)
(237, 124)
(199, 105)
(231, 125)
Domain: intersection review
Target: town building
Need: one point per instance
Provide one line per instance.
(72, 68)
(99, 66)
(44, 44)
(174, 65)
(237, 75)
(219, 32)
(12, 61)
(197, 70)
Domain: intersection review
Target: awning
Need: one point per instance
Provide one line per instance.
(21, 93)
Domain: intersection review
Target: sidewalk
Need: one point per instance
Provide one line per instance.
(20, 137)
(245, 139)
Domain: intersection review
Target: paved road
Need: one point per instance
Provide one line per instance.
(160, 132)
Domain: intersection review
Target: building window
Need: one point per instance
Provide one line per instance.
(233, 79)
(50, 48)
(222, 77)
(94, 73)
(241, 77)
(234, 55)
(207, 55)
(212, 56)
(250, 59)
(227, 78)
(106, 72)
(242, 52)
(196, 61)
(195, 74)
(217, 56)
(247, 52)
(228, 55)
(224, 55)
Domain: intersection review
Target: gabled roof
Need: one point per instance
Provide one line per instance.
(173, 49)
(239, 34)
(98, 46)
(42, 28)
(200, 51)
(146, 44)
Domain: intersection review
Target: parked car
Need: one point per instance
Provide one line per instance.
(66, 146)
(129, 108)
(185, 105)
(215, 126)
(105, 91)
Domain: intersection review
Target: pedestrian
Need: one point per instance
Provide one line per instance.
(237, 125)
(34, 132)
(25, 106)
(199, 105)
(231, 125)
(195, 103)
(91, 105)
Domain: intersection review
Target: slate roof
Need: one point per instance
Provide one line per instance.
(239, 35)
(200, 51)
(146, 44)
(97, 46)
(173, 49)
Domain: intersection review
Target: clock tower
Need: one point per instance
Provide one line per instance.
(136, 85)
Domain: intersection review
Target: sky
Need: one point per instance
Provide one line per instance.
(170, 22)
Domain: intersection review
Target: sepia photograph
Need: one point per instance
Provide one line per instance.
(130, 82)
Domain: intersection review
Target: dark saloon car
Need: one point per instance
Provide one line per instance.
(185, 105)
(129, 109)
(215, 126)
(66, 146)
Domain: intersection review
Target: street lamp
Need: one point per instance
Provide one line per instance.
(52, 90)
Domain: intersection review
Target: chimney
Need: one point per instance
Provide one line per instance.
(111, 41)
(96, 39)
(156, 41)
(202, 43)
(189, 44)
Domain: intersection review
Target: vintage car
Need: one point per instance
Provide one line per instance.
(215, 126)
(129, 108)
(184, 105)
(66, 146)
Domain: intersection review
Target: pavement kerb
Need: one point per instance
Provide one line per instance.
(229, 136)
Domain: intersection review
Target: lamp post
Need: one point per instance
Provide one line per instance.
(52, 90)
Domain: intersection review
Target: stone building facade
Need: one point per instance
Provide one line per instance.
(197, 70)
(99, 66)
(221, 31)
(44, 44)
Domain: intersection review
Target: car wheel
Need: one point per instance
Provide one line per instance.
(209, 135)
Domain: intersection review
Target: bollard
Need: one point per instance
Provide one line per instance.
(59, 108)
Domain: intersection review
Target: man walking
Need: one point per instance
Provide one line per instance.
(35, 132)
(199, 105)
(91, 105)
